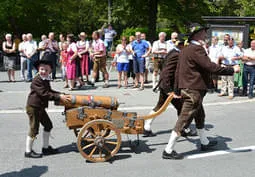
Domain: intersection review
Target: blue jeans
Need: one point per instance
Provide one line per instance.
(248, 71)
(30, 66)
(109, 45)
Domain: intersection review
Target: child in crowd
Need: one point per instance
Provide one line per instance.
(63, 61)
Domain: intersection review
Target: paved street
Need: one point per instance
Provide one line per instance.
(231, 122)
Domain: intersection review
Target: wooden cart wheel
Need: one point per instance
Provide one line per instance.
(94, 142)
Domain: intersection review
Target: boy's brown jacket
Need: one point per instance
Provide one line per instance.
(41, 93)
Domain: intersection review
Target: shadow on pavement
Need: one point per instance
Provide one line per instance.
(222, 145)
(34, 171)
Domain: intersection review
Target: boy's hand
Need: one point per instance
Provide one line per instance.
(65, 98)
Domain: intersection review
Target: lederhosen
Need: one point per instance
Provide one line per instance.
(167, 85)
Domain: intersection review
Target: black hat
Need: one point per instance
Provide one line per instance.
(195, 28)
(46, 59)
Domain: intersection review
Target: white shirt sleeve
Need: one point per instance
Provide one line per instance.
(154, 46)
(74, 47)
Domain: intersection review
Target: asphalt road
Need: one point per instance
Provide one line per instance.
(231, 122)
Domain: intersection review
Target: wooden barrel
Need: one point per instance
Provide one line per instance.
(107, 102)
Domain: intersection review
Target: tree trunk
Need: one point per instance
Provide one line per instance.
(152, 20)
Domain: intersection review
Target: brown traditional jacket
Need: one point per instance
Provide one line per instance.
(194, 68)
(41, 93)
(167, 75)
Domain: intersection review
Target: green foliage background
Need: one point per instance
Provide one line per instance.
(73, 16)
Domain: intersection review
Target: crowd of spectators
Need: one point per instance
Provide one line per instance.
(81, 60)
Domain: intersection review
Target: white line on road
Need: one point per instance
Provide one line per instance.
(133, 108)
(222, 152)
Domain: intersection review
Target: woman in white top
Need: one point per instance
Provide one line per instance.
(131, 57)
(9, 50)
(122, 61)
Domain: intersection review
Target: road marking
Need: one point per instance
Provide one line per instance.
(222, 152)
(134, 108)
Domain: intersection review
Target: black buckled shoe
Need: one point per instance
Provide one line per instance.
(149, 133)
(190, 133)
(33, 154)
(173, 155)
(209, 146)
(49, 151)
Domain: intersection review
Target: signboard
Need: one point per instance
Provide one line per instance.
(238, 32)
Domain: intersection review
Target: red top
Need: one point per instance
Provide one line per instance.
(64, 56)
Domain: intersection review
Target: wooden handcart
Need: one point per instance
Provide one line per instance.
(98, 124)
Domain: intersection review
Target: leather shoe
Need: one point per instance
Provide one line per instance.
(149, 133)
(190, 133)
(49, 151)
(173, 155)
(32, 154)
(209, 146)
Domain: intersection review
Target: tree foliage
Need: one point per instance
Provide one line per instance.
(72, 16)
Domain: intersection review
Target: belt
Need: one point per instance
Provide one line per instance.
(249, 65)
(229, 65)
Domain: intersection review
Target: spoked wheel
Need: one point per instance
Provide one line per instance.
(99, 140)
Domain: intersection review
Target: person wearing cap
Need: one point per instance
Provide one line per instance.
(192, 80)
(160, 48)
(166, 86)
(38, 98)
(229, 56)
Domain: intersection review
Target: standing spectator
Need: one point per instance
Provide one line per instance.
(131, 58)
(174, 37)
(51, 49)
(9, 50)
(140, 52)
(63, 62)
(226, 39)
(249, 69)
(72, 73)
(160, 48)
(214, 52)
(41, 46)
(238, 77)
(30, 52)
(99, 58)
(109, 34)
(147, 59)
(61, 41)
(71, 64)
(83, 54)
(229, 57)
(122, 61)
(23, 59)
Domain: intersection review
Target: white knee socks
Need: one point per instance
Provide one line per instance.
(29, 144)
(203, 138)
(46, 137)
(154, 81)
(172, 140)
(147, 123)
